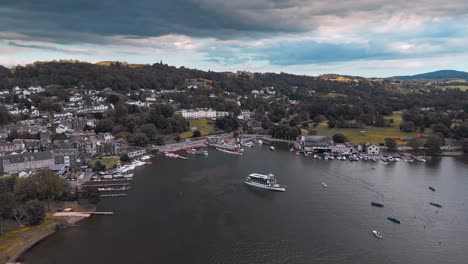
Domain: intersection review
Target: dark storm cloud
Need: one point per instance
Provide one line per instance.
(68, 21)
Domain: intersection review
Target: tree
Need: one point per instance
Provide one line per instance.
(104, 125)
(159, 141)
(196, 133)
(439, 127)
(227, 123)
(35, 212)
(391, 144)
(4, 116)
(433, 144)
(415, 144)
(140, 139)
(150, 130)
(408, 127)
(339, 138)
(50, 185)
(6, 205)
(112, 98)
(26, 189)
(266, 124)
(98, 166)
(331, 123)
(379, 121)
(125, 158)
(20, 215)
(92, 194)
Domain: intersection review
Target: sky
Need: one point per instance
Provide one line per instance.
(371, 38)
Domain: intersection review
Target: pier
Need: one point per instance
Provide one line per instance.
(107, 184)
(113, 195)
(413, 157)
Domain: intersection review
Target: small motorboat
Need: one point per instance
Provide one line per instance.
(384, 163)
(272, 148)
(324, 184)
(394, 220)
(377, 204)
(436, 205)
(432, 189)
(377, 234)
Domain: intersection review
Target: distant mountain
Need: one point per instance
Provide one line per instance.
(437, 75)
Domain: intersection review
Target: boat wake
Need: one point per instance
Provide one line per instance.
(359, 182)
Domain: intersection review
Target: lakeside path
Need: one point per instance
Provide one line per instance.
(14, 244)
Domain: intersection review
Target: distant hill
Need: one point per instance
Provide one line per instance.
(437, 75)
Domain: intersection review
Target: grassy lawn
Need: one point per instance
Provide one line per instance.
(204, 125)
(14, 241)
(109, 162)
(371, 134)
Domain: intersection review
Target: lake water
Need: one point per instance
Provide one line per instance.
(200, 211)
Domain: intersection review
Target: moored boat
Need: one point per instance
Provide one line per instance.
(202, 152)
(432, 189)
(272, 148)
(377, 234)
(263, 181)
(324, 184)
(234, 152)
(247, 144)
(377, 204)
(436, 205)
(258, 141)
(191, 151)
(394, 220)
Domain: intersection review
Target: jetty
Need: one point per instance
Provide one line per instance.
(113, 195)
(81, 214)
(413, 157)
(97, 184)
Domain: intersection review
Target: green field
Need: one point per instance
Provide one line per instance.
(110, 162)
(369, 134)
(205, 126)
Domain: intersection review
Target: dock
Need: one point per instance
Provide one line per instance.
(413, 157)
(81, 214)
(107, 184)
(113, 195)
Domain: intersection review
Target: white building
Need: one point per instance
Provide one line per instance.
(244, 115)
(202, 113)
(62, 129)
(372, 150)
(76, 98)
(36, 89)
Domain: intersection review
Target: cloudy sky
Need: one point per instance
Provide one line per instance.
(373, 38)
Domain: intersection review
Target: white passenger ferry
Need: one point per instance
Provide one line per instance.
(264, 181)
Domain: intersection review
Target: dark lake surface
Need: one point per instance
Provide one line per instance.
(200, 211)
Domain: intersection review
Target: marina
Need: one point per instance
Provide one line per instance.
(206, 200)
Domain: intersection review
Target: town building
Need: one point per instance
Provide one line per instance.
(372, 149)
(316, 143)
(114, 147)
(134, 152)
(202, 113)
(17, 163)
(7, 147)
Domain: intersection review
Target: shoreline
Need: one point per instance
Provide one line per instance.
(16, 257)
